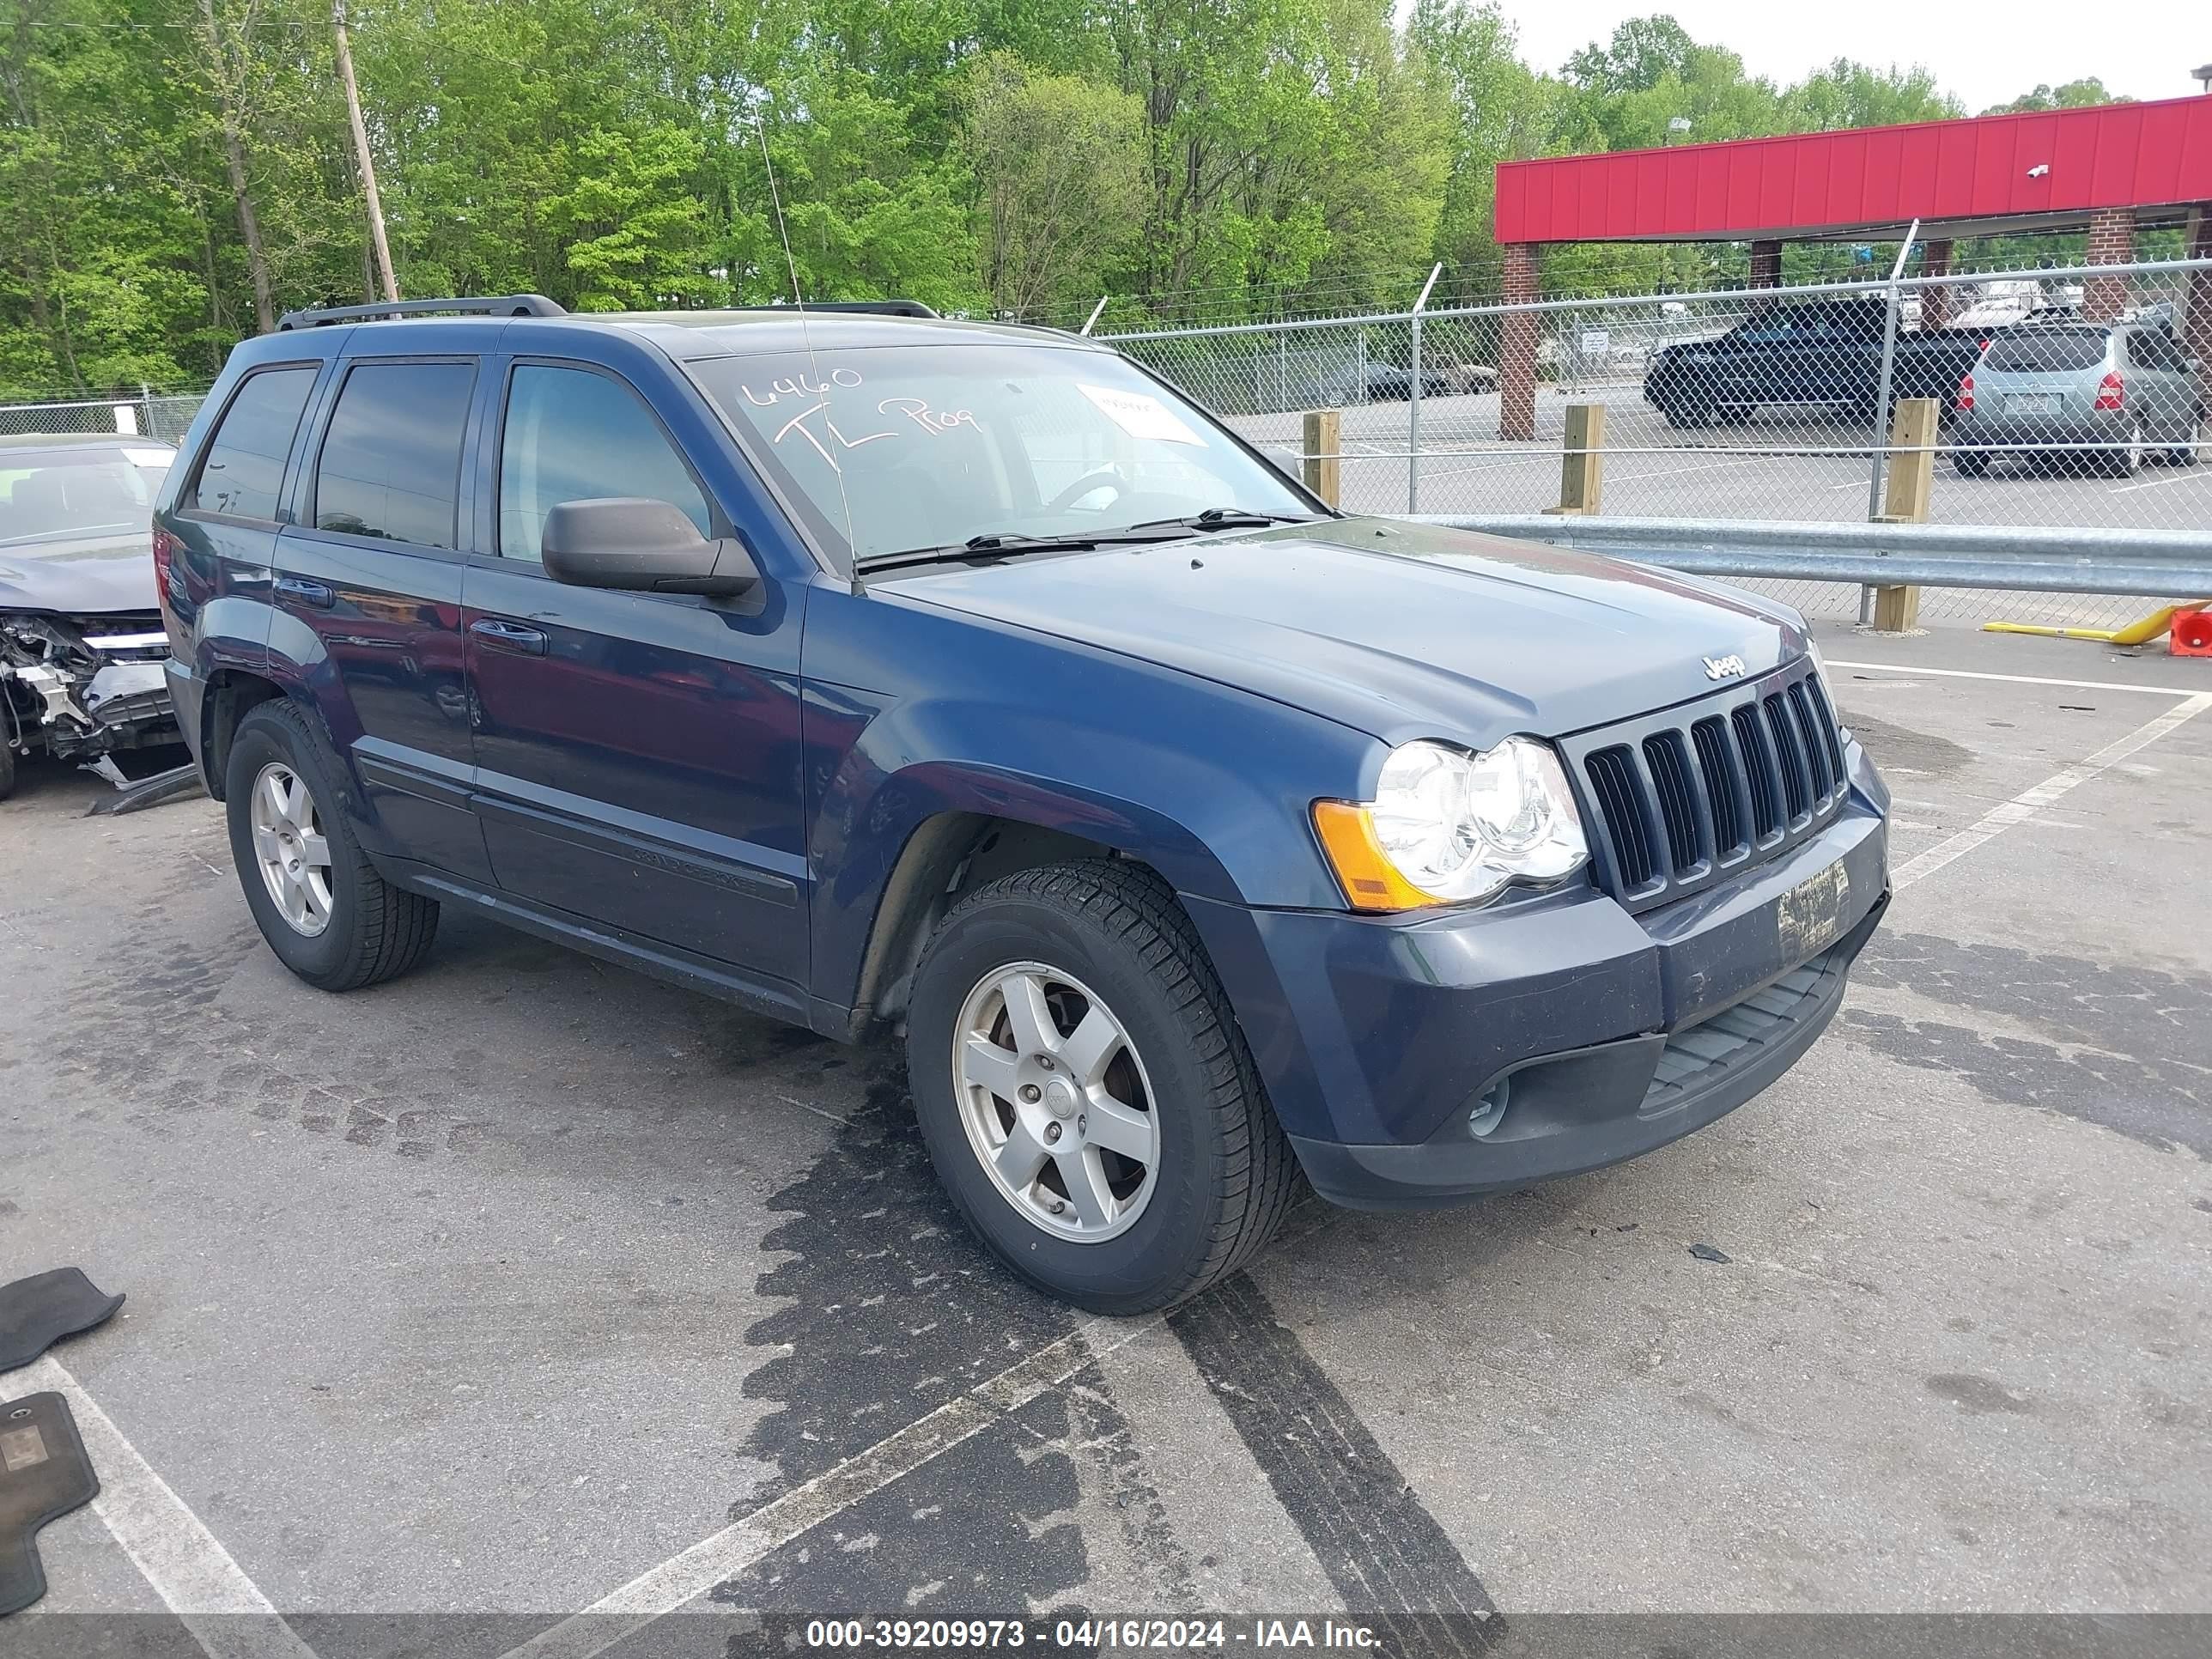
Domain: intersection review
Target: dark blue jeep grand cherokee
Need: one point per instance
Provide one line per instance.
(874, 668)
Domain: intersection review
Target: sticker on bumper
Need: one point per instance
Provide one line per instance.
(1809, 917)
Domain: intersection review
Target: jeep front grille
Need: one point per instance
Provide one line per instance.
(1675, 801)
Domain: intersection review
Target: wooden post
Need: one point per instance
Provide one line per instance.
(1324, 446)
(361, 158)
(1582, 467)
(1911, 477)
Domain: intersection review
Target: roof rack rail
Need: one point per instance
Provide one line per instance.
(880, 307)
(490, 305)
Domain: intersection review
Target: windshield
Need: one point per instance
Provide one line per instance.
(928, 446)
(55, 494)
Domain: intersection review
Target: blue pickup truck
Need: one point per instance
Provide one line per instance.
(877, 671)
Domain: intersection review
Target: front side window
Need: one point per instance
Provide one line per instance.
(244, 472)
(573, 435)
(391, 464)
(892, 448)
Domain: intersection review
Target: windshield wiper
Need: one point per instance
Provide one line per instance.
(1229, 518)
(1013, 541)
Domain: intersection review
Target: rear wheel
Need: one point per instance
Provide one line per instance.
(1085, 1092)
(2184, 455)
(2126, 461)
(1971, 463)
(319, 902)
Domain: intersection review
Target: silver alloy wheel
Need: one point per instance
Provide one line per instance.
(290, 846)
(1055, 1101)
(2135, 448)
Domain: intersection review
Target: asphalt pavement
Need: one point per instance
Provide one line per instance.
(527, 1300)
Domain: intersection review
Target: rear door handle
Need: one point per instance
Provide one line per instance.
(499, 635)
(307, 592)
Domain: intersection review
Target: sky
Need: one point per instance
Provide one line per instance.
(1988, 51)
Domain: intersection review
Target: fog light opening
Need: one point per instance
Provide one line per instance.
(1490, 1108)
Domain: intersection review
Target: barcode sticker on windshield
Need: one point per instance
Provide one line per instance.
(1140, 414)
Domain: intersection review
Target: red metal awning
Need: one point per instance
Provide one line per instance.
(2041, 168)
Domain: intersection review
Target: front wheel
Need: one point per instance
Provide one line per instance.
(1085, 1092)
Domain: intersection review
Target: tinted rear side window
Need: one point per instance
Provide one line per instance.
(2046, 351)
(390, 465)
(244, 473)
(2153, 349)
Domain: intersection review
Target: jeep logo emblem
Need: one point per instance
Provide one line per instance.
(1724, 668)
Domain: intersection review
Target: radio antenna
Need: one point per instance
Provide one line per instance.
(807, 338)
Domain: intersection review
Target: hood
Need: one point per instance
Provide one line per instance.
(78, 576)
(1397, 629)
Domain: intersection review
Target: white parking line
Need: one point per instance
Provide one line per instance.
(2023, 806)
(2153, 483)
(195, 1577)
(683, 1579)
(1910, 673)
(1674, 472)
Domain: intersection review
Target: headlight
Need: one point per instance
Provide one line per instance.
(1449, 827)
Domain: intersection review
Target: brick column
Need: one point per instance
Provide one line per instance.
(2196, 319)
(2111, 242)
(1766, 264)
(1516, 346)
(1936, 303)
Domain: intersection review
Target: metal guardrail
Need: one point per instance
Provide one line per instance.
(2168, 564)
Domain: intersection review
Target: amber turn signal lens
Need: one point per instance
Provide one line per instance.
(1363, 871)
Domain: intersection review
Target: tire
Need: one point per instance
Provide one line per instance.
(1680, 415)
(7, 768)
(2126, 462)
(2183, 454)
(1112, 940)
(1970, 463)
(369, 930)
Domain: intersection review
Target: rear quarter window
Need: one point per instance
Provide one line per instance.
(2045, 353)
(243, 475)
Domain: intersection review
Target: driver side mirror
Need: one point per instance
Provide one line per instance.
(643, 545)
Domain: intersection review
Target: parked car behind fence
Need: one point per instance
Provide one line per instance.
(2080, 398)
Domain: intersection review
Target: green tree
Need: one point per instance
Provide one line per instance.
(2073, 94)
(1059, 177)
(1852, 95)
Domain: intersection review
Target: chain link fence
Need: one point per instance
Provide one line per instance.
(2074, 396)
(161, 415)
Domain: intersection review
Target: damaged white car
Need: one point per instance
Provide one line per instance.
(81, 639)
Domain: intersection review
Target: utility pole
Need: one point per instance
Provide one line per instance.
(361, 153)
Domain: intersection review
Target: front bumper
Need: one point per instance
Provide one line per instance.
(1604, 1034)
(72, 714)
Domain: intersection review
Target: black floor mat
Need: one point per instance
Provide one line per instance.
(39, 1311)
(44, 1475)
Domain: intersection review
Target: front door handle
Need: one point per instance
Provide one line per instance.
(500, 636)
(304, 591)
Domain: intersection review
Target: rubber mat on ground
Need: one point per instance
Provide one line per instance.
(44, 1475)
(39, 1311)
